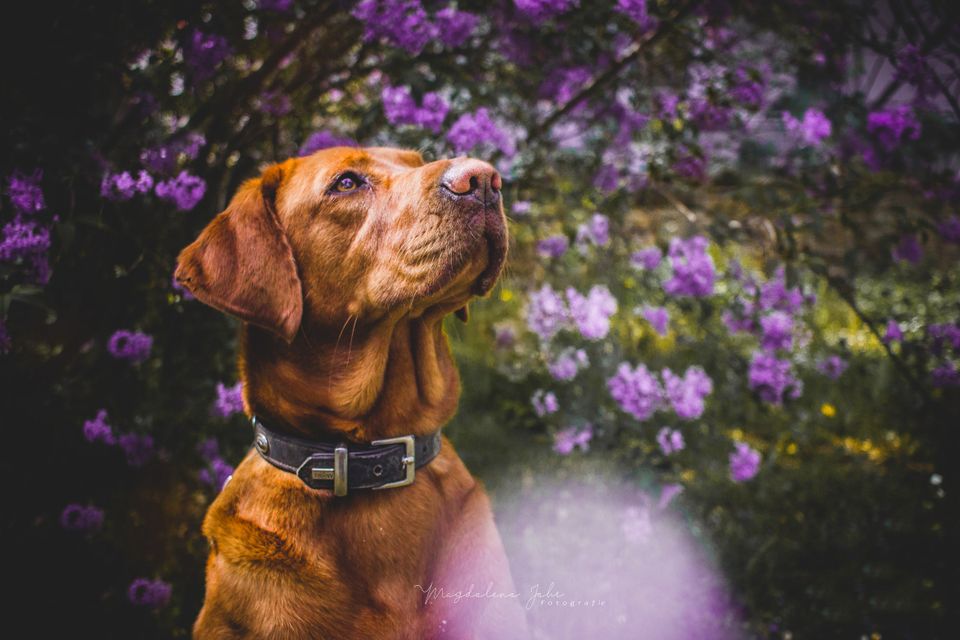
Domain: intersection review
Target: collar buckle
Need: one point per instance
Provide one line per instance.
(408, 461)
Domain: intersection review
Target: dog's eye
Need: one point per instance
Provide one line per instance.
(347, 182)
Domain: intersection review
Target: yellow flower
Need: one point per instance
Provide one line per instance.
(506, 295)
(792, 449)
(828, 410)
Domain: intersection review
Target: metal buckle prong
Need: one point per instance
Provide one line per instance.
(408, 461)
(338, 474)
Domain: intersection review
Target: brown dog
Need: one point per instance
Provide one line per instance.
(342, 266)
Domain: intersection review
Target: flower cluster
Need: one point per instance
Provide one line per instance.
(636, 390)
(204, 52)
(24, 241)
(553, 246)
(542, 10)
(406, 24)
(472, 130)
(648, 258)
(185, 190)
(565, 441)
(833, 366)
(687, 394)
(133, 346)
(893, 126)
(636, 10)
(25, 193)
(566, 365)
(137, 448)
(82, 518)
(772, 378)
(229, 400)
(544, 402)
(595, 232)
(123, 186)
(324, 140)
(217, 471)
(401, 108)
(670, 441)
(693, 271)
(592, 312)
(546, 312)
(744, 462)
(812, 130)
(163, 159)
(659, 319)
(149, 593)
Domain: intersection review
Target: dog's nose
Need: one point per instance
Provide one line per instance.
(469, 177)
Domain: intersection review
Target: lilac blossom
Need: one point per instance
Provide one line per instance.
(209, 449)
(229, 400)
(149, 593)
(774, 295)
(133, 346)
(185, 190)
(746, 90)
(832, 366)
(324, 140)
(566, 366)
(544, 402)
(893, 126)
(636, 525)
(648, 258)
(454, 27)
(474, 129)
(689, 165)
(25, 193)
(740, 321)
(944, 334)
(564, 442)
(636, 10)
(687, 394)
(771, 378)
(279, 6)
(636, 390)
(777, 328)
(521, 207)
(542, 10)
(553, 246)
(908, 250)
(275, 103)
(744, 462)
(812, 130)
(945, 375)
(163, 159)
(950, 229)
(596, 232)
(97, 429)
(670, 441)
(82, 518)
(400, 108)
(27, 242)
(893, 332)
(402, 23)
(693, 271)
(123, 186)
(216, 473)
(659, 319)
(592, 312)
(546, 312)
(137, 447)
(204, 53)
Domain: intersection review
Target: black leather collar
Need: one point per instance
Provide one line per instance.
(345, 466)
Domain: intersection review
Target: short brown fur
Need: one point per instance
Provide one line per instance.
(343, 299)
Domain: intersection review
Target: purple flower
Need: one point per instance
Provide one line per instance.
(402, 23)
(521, 207)
(892, 126)
(942, 334)
(592, 313)
(546, 312)
(25, 193)
(133, 346)
(893, 333)
(667, 494)
(833, 367)
(216, 473)
(185, 190)
(912, 67)
(746, 90)
(275, 5)
(693, 272)
(553, 246)
(775, 295)
(689, 165)
(596, 232)
(946, 375)
(636, 10)
(123, 186)
(708, 117)
(454, 27)
(474, 129)
(204, 52)
(229, 400)
(27, 242)
(771, 378)
(739, 321)
(637, 391)
(180, 289)
(564, 442)
(670, 441)
(400, 108)
(149, 593)
(659, 319)
(275, 103)
(568, 364)
(777, 329)
(163, 159)
(77, 517)
(542, 10)
(648, 258)
(137, 447)
(504, 336)
(687, 394)
(97, 430)
(209, 449)
(908, 250)
(636, 525)
(324, 140)
(950, 229)
(544, 402)
(744, 462)
(814, 128)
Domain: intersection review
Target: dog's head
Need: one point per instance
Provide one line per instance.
(351, 232)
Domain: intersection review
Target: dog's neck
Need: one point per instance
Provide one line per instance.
(393, 378)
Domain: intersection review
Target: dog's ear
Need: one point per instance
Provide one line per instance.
(463, 313)
(242, 263)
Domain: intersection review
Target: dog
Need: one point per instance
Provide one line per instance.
(342, 266)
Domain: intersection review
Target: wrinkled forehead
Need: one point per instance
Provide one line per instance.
(380, 161)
